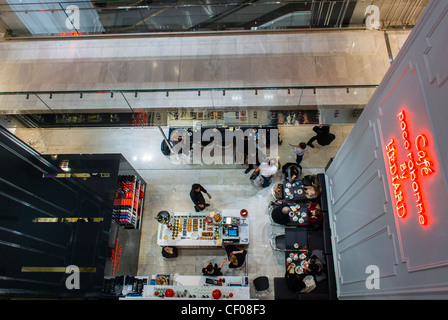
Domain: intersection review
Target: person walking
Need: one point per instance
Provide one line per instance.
(323, 136)
(266, 170)
(198, 198)
(300, 150)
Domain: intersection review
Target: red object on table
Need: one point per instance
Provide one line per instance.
(169, 293)
(216, 294)
(243, 212)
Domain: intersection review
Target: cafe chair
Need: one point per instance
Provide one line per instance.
(261, 286)
(278, 242)
(270, 208)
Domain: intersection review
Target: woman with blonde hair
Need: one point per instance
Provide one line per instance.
(236, 256)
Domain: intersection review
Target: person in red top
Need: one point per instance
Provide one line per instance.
(314, 213)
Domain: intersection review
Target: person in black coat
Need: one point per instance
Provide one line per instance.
(293, 280)
(280, 214)
(213, 269)
(198, 198)
(236, 256)
(323, 136)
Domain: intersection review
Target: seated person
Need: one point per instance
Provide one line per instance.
(312, 192)
(267, 170)
(236, 256)
(213, 269)
(310, 180)
(292, 173)
(314, 267)
(280, 214)
(314, 213)
(293, 280)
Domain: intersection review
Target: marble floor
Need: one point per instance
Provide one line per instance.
(168, 187)
(236, 61)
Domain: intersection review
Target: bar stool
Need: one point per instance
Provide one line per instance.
(261, 286)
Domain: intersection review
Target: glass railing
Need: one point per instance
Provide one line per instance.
(33, 18)
(210, 106)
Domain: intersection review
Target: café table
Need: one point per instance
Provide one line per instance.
(296, 239)
(293, 191)
(297, 258)
(298, 214)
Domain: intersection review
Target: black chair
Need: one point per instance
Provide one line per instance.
(261, 286)
(278, 242)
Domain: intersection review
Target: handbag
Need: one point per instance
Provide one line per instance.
(259, 181)
(310, 284)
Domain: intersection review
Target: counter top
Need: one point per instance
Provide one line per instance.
(191, 229)
(186, 287)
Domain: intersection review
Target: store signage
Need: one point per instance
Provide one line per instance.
(409, 164)
(116, 257)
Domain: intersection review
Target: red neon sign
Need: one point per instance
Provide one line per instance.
(116, 257)
(417, 166)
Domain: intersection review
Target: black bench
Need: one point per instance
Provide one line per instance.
(318, 239)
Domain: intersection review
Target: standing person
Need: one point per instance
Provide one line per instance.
(323, 136)
(198, 198)
(212, 269)
(266, 170)
(236, 256)
(300, 151)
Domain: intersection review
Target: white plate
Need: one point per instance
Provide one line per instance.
(303, 214)
(299, 270)
(301, 220)
(295, 218)
(291, 214)
(300, 191)
(194, 236)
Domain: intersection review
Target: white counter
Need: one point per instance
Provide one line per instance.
(196, 287)
(200, 234)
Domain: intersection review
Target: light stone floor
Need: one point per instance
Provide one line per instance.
(168, 187)
(302, 58)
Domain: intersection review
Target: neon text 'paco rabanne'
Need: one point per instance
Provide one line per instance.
(417, 166)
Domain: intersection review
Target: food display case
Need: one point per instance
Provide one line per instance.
(200, 229)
